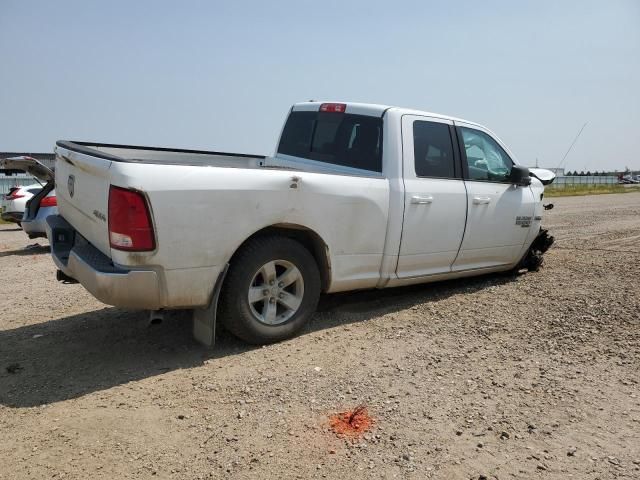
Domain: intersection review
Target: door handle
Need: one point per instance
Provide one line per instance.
(418, 200)
(481, 200)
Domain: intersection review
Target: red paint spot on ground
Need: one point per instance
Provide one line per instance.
(352, 423)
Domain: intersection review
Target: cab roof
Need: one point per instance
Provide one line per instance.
(372, 109)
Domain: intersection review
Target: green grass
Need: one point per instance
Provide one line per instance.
(572, 190)
(2, 222)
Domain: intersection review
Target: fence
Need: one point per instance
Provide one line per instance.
(7, 182)
(561, 182)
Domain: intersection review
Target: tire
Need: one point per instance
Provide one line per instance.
(251, 274)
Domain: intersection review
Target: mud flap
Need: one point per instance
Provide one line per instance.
(533, 258)
(204, 319)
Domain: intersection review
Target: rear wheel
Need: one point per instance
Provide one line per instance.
(271, 290)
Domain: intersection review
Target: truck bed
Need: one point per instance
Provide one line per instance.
(202, 211)
(164, 156)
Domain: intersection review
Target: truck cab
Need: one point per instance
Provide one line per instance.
(454, 204)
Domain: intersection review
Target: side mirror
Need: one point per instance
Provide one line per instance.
(520, 176)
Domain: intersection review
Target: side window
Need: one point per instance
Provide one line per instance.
(486, 159)
(433, 150)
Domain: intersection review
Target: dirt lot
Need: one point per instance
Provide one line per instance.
(534, 376)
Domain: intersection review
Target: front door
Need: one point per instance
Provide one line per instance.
(435, 197)
(499, 213)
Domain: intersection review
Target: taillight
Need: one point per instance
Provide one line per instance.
(49, 202)
(333, 107)
(14, 195)
(130, 226)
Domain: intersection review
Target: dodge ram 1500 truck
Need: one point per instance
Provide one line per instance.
(357, 196)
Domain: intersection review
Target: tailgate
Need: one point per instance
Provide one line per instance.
(82, 188)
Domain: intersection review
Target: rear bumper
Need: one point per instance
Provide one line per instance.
(109, 283)
(37, 227)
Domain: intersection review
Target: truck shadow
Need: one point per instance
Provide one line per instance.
(35, 249)
(76, 355)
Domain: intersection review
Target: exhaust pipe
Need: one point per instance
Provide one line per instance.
(156, 317)
(64, 278)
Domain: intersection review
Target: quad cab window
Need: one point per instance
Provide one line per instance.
(486, 159)
(344, 139)
(433, 150)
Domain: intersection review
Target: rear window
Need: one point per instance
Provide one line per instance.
(338, 138)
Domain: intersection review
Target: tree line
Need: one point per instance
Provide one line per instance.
(590, 174)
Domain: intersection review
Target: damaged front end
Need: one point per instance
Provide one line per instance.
(533, 258)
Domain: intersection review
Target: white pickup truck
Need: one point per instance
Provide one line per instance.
(357, 196)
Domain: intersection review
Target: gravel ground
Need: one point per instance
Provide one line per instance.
(529, 376)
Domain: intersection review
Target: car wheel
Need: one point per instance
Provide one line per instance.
(271, 290)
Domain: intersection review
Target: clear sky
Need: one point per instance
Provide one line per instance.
(222, 75)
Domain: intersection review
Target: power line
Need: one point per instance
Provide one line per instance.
(572, 144)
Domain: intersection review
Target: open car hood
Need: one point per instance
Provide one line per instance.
(545, 176)
(29, 165)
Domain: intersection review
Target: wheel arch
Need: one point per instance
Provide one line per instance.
(305, 236)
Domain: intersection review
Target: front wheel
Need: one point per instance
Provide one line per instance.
(271, 290)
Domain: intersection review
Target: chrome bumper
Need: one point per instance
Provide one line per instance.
(36, 227)
(109, 283)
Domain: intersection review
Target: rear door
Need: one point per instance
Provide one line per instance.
(29, 165)
(499, 213)
(435, 197)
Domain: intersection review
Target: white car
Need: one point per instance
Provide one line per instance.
(629, 179)
(14, 202)
(34, 221)
(31, 205)
(357, 196)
